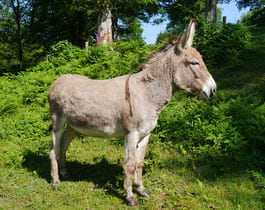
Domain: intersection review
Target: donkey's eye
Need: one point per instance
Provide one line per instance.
(194, 63)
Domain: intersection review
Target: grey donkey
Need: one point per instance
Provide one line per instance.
(127, 106)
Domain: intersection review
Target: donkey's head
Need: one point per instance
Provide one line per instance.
(192, 74)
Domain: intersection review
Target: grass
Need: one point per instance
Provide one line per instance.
(96, 182)
(176, 178)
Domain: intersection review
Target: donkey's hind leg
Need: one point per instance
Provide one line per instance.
(68, 135)
(57, 131)
(140, 152)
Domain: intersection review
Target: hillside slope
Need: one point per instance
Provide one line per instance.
(203, 154)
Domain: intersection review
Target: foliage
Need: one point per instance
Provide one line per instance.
(222, 46)
(16, 51)
(255, 18)
(23, 98)
(181, 12)
(213, 128)
(216, 128)
(48, 20)
(250, 3)
(130, 29)
(30, 28)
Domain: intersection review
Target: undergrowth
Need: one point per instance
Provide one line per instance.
(202, 154)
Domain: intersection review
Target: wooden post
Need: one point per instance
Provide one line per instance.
(224, 20)
(47, 58)
(86, 45)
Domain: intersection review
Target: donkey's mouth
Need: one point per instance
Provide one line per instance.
(209, 89)
(204, 95)
(208, 95)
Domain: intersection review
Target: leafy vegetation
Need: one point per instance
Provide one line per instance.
(222, 45)
(255, 18)
(203, 154)
(28, 28)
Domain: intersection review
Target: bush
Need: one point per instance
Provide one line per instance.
(228, 125)
(192, 126)
(222, 46)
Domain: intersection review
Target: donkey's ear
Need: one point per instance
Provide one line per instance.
(190, 34)
(179, 42)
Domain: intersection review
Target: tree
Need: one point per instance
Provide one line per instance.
(128, 13)
(181, 12)
(118, 18)
(253, 4)
(17, 8)
(104, 33)
(211, 10)
(256, 16)
(13, 21)
(86, 20)
(52, 21)
(130, 29)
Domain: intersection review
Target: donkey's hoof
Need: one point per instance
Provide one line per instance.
(145, 193)
(131, 203)
(56, 183)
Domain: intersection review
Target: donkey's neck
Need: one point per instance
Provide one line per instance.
(157, 75)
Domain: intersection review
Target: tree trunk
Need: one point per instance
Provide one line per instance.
(104, 35)
(115, 29)
(211, 6)
(17, 13)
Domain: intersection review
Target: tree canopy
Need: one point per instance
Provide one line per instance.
(29, 27)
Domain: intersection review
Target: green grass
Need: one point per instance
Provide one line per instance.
(96, 177)
(185, 166)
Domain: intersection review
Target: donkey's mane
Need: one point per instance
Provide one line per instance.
(158, 54)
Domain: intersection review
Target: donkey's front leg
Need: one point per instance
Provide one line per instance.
(140, 152)
(130, 164)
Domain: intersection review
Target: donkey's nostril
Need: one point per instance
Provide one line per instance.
(213, 91)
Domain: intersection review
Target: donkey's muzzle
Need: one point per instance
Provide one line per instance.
(208, 95)
(209, 89)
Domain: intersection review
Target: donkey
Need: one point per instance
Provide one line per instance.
(127, 106)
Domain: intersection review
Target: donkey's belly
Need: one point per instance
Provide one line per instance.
(104, 131)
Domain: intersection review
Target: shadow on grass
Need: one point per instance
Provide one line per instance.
(103, 174)
(213, 168)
